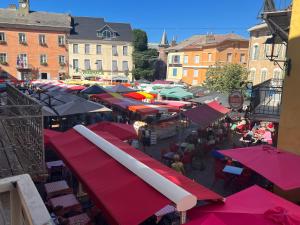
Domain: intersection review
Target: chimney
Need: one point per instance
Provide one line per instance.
(12, 7)
(210, 38)
(23, 7)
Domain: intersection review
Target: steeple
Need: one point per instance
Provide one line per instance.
(269, 6)
(164, 40)
(174, 41)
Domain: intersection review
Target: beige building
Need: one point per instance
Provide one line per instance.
(259, 65)
(100, 49)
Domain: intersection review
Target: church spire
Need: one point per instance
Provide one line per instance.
(164, 40)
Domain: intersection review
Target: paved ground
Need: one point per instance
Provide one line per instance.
(205, 176)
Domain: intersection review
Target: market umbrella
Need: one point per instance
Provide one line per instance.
(94, 89)
(278, 166)
(252, 206)
(120, 89)
(80, 106)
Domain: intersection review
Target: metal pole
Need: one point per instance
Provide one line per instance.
(183, 217)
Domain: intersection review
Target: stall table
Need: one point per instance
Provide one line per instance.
(68, 202)
(57, 188)
(81, 219)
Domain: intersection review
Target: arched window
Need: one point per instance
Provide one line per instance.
(277, 74)
(252, 74)
(255, 52)
(263, 75)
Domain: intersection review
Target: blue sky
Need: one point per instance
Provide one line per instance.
(180, 18)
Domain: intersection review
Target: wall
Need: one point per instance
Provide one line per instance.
(289, 133)
(105, 56)
(262, 63)
(33, 50)
(171, 66)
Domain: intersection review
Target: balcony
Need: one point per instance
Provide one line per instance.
(266, 101)
(20, 202)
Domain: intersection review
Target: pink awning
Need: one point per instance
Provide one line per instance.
(253, 206)
(218, 107)
(123, 197)
(278, 166)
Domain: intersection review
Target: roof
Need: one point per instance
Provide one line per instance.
(123, 197)
(206, 114)
(85, 28)
(258, 27)
(197, 41)
(38, 19)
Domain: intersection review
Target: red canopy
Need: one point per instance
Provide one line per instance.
(280, 167)
(123, 197)
(48, 134)
(134, 95)
(218, 107)
(119, 130)
(76, 88)
(206, 114)
(253, 206)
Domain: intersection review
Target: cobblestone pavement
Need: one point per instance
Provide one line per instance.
(205, 176)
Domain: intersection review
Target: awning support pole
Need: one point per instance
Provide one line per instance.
(183, 217)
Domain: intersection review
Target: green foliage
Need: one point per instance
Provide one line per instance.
(140, 40)
(144, 59)
(226, 78)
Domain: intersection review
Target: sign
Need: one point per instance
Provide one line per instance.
(92, 72)
(236, 100)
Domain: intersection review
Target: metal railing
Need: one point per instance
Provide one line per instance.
(266, 99)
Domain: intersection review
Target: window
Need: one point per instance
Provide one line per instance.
(43, 59)
(87, 49)
(61, 40)
(195, 82)
(75, 48)
(176, 59)
(125, 66)
(22, 38)
(2, 37)
(114, 50)
(229, 57)
(87, 64)
(44, 76)
(209, 57)
(42, 39)
(174, 72)
(98, 49)
(196, 72)
(255, 52)
(197, 59)
(186, 59)
(242, 58)
(99, 65)
(267, 51)
(125, 50)
(61, 60)
(107, 34)
(22, 61)
(75, 64)
(185, 72)
(277, 74)
(3, 58)
(252, 75)
(114, 65)
(263, 76)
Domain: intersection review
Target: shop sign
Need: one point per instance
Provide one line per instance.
(236, 100)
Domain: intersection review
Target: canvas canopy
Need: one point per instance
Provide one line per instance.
(278, 166)
(123, 197)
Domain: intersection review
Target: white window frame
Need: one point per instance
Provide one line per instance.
(197, 59)
(42, 39)
(97, 48)
(2, 34)
(5, 56)
(112, 65)
(261, 74)
(99, 62)
(75, 49)
(114, 53)
(61, 40)
(253, 52)
(229, 57)
(209, 57)
(252, 76)
(85, 64)
(185, 72)
(186, 59)
(125, 53)
(125, 69)
(22, 38)
(87, 49)
(196, 73)
(75, 67)
(43, 59)
(60, 61)
(280, 73)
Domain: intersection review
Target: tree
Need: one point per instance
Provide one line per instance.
(143, 58)
(140, 40)
(226, 78)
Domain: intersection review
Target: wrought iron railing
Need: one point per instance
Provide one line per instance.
(266, 98)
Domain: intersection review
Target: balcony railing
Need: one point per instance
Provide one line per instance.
(20, 202)
(266, 100)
